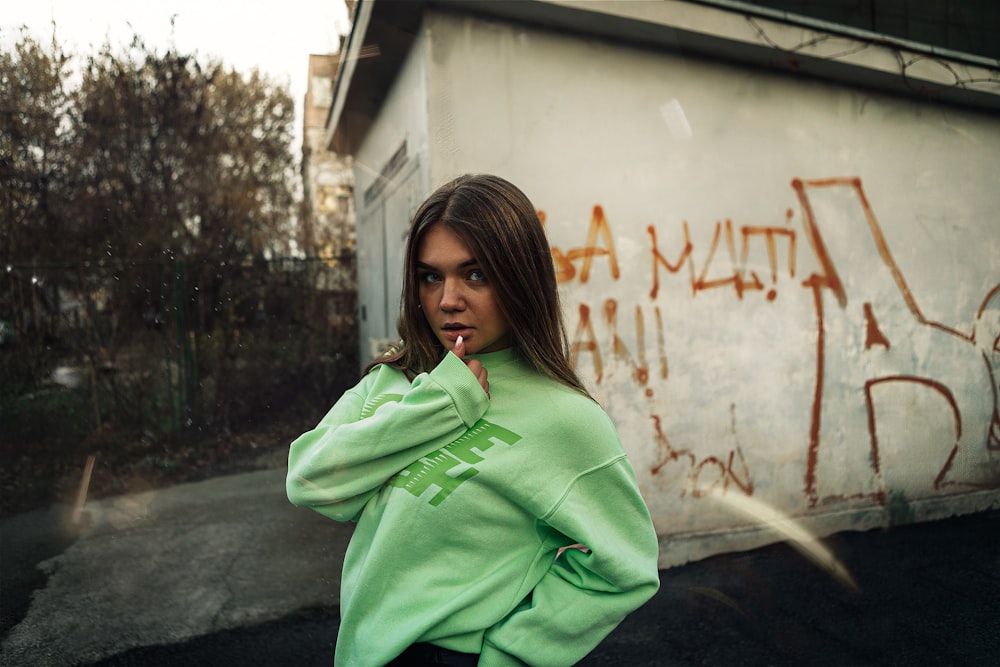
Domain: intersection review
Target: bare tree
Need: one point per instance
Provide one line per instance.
(34, 142)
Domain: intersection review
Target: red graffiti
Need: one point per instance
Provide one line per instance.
(733, 471)
(827, 281)
(724, 264)
(585, 341)
(736, 274)
(565, 262)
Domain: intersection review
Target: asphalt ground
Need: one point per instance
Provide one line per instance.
(198, 576)
(928, 594)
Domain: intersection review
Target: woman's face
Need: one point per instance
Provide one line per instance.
(455, 296)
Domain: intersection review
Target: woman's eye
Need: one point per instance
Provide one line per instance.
(430, 278)
(477, 275)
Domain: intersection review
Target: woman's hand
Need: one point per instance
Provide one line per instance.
(474, 365)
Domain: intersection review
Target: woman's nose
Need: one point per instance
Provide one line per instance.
(451, 295)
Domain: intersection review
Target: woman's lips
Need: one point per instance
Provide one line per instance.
(452, 333)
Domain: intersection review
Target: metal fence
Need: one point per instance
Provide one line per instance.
(127, 356)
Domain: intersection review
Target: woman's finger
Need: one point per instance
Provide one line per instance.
(479, 371)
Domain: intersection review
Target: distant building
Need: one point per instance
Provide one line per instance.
(327, 227)
(327, 178)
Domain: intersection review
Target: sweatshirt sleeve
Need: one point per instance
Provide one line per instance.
(584, 596)
(336, 467)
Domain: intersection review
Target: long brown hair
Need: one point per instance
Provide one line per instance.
(502, 230)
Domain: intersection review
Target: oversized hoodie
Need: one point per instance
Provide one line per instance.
(465, 506)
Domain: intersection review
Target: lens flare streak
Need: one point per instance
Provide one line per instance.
(798, 537)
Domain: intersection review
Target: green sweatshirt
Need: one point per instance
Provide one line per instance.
(463, 505)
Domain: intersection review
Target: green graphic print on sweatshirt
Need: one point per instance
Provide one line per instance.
(437, 469)
(463, 504)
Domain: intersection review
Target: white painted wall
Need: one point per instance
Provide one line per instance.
(382, 223)
(735, 369)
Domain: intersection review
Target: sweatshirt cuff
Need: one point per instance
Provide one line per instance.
(461, 384)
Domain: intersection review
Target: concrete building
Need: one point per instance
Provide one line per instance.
(327, 177)
(326, 220)
(776, 239)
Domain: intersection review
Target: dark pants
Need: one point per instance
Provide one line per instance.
(429, 655)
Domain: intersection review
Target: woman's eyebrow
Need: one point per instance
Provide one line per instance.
(464, 265)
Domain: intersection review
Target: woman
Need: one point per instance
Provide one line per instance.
(498, 519)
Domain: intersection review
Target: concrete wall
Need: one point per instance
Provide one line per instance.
(783, 290)
(391, 180)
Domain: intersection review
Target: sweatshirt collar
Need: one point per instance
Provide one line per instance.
(499, 358)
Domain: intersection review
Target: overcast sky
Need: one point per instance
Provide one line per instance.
(276, 37)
